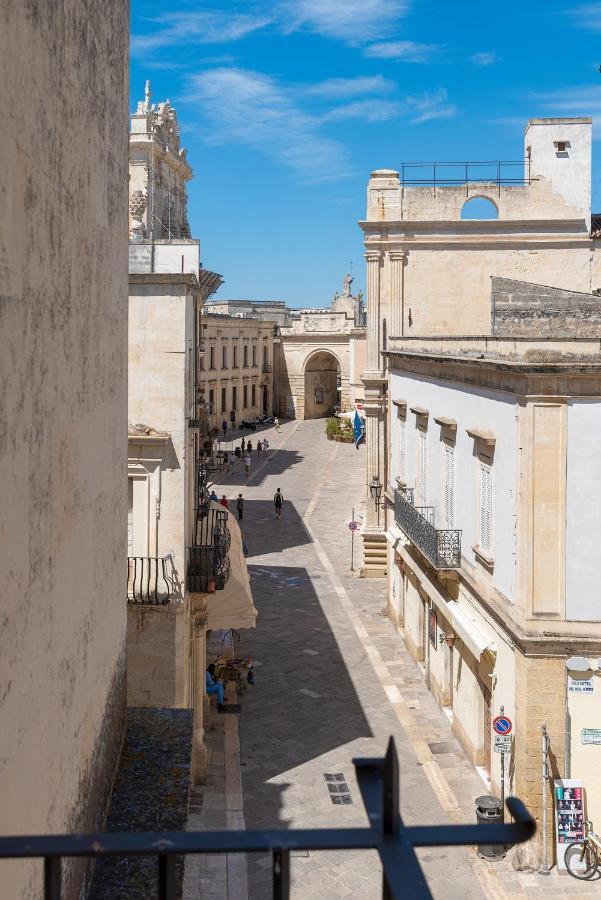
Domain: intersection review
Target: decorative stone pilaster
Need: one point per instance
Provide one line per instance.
(199, 638)
(397, 318)
(373, 258)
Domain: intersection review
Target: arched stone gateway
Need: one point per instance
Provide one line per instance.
(322, 379)
(319, 359)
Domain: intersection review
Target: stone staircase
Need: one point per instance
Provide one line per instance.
(374, 555)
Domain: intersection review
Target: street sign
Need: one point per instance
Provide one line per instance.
(502, 725)
(502, 743)
(353, 525)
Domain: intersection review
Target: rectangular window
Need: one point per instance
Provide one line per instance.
(254, 354)
(245, 355)
(265, 355)
(224, 357)
(403, 449)
(234, 398)
(211, 401)
(421, 469)
(211, 357)
(235, 364)
(245, 394)
(447, 487)
(223, 399)
(485, 518)
(254, 395)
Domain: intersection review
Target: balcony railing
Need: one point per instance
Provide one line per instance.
(148, 580)
(208, 559)
(394, 841)
(441, 547)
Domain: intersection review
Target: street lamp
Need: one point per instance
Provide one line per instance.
(375, 489)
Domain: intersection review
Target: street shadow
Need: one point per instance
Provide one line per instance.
(264, 533)
(280, 461)
(302, 705)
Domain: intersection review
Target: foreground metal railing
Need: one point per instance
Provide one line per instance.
(379, 785)
(440, 546)
(148, 580)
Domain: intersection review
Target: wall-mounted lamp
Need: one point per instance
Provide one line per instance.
(375, 489)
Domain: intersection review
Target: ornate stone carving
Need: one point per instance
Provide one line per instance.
(201, 620)
(346, 285)
(137, 208)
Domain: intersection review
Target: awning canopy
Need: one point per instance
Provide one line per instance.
(351, 415)
(233, 606)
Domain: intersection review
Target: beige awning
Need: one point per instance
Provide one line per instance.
(233, 606)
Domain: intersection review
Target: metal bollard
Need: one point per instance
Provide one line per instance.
(489, 810)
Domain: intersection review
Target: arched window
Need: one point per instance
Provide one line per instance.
(479, 208)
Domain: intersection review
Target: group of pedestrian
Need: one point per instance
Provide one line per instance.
(278, 501)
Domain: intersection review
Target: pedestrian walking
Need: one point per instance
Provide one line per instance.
(249, 447)
(224, 426)
(240, 506)
(213, 497)
(224, 502)
(243, 445)
(244, 548)
(277, 502)
(237, 452)
(259, 448)
(247, 462)
(276, 422)
(265, 444)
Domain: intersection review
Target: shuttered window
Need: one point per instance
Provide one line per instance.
(447, 499)
(403, 450)
(422, 469)
(485, 537)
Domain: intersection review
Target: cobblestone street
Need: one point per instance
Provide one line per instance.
(333, 681)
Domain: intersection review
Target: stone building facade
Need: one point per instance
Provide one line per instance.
(482, 390)
(63, 420)
(186, 570)
(236, 368)
(320, 358)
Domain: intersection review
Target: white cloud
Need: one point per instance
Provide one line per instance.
(252, 109)
(199, 27)
(340, 88)
(431, 106)
(485, 58)
(365, 110)
(345, 20)
(406, 51)
(588, 16)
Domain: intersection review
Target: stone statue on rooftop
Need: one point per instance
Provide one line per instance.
(346, 285)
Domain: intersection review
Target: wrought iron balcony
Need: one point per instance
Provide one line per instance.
(148, 580)
(441, 547)
(386, 833)
(208, 559)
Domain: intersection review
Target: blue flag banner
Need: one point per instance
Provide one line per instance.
(358, 429)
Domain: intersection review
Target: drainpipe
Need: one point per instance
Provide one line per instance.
(544, 869)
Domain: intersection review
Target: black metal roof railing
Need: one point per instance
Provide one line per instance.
(148, 580)
(448, 174)
(440, 546)
(379, 785)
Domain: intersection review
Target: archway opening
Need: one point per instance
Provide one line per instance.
(322, 379)
(479, 208)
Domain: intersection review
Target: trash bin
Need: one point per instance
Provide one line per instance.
(489, 811)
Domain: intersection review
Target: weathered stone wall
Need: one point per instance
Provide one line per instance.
(523, 309)
(63, 418)
(157, 645)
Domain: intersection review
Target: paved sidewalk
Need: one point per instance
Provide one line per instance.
(333, 681)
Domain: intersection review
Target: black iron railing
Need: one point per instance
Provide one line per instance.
(440, 546)
(148, 580)
(379, 785)
(447, 174)
(208, 558)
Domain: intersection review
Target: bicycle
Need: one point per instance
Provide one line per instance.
(581, 857)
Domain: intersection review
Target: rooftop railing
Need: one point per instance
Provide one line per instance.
(148, 580)
(440, 546)
(449, 174)
(395, 842)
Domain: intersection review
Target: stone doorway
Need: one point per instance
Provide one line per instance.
(321, 389)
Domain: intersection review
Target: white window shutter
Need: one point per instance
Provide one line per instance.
(448, 485)
(422, 469)
(486, 512)
(402, 450)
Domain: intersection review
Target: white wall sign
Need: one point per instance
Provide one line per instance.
(502, 743)
(580, 685)
(590, 735)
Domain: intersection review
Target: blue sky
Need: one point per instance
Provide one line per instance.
(286, 107)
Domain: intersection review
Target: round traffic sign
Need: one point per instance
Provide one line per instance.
(502, 725)
(353, 526)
